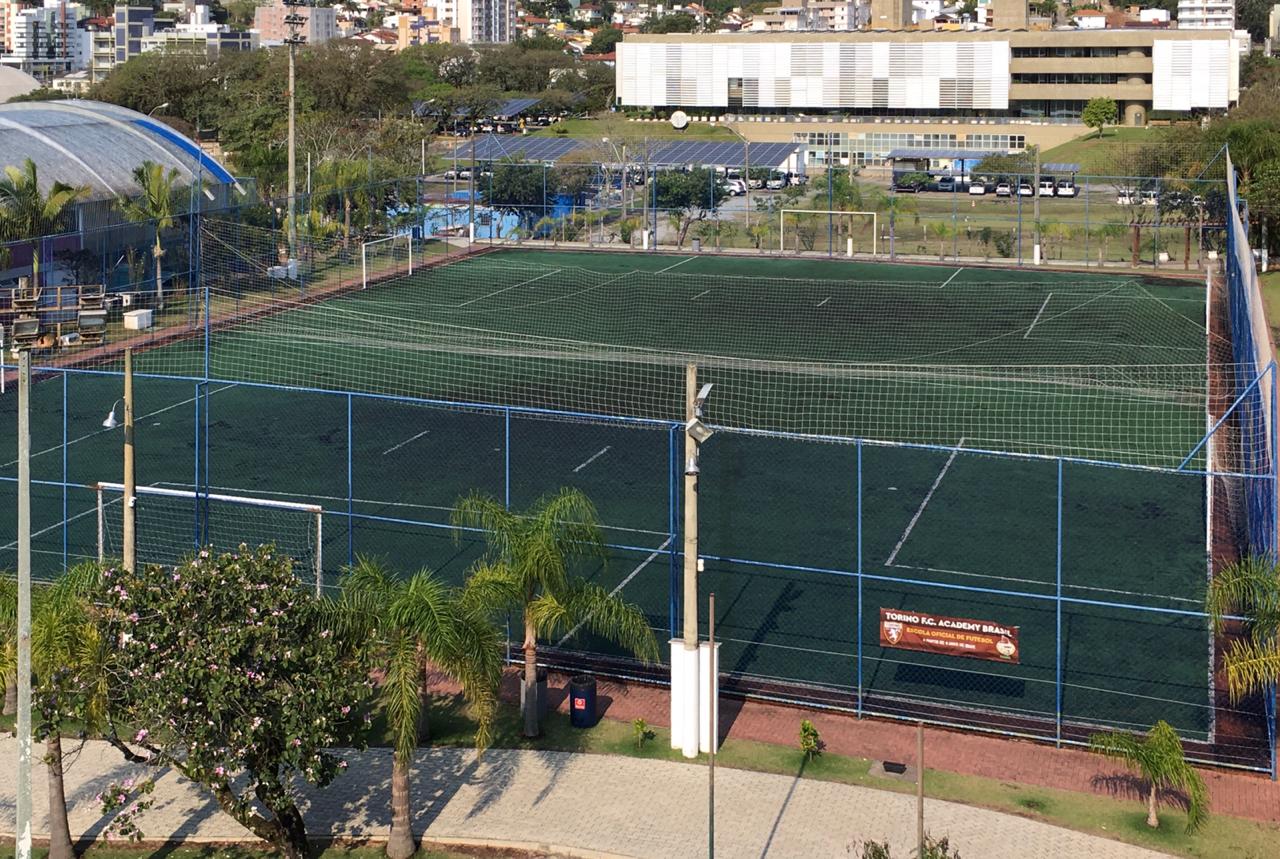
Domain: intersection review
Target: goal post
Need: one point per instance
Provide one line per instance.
(167, 530)
(388, 256)
(792, 224)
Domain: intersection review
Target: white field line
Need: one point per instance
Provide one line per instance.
(599, 453)
(406, 441)
(925, 503)
(824, 301)
(668, 268)
(61, 522)
(1038, 314)
(700, 294)
(954, 274)
(622, 584)
(105, 430)
(507, 288)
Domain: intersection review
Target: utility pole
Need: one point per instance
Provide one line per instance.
(295, 23)
(920, 788)
(23, 831)
(1035, 200)
(713, 712)
(129, 537)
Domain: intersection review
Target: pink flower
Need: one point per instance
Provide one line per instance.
(346, 710)
(296, 742)
(220, 771)
(141, 735)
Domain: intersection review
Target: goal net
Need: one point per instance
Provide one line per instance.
(840, 232)
(170, 524)
(392, 256)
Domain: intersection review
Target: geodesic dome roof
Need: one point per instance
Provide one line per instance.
(97, 144)
(14, 82)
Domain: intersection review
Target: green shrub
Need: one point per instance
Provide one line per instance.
(810, 741)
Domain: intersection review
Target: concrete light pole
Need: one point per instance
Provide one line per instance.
(128, 519)
(23, 820)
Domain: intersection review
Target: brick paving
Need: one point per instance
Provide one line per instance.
(1237, 794)
(574, 804)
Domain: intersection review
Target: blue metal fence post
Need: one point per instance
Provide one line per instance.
(1057, 605)
(1273, 524)
(506, 458)
(195, 508)
(65, 419)
(859, 568)
(673, 516)
(830, 198)
(351, 534)
(204, 506)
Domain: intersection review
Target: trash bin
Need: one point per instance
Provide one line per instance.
(697, 246)
(582, 701)
(540, 691)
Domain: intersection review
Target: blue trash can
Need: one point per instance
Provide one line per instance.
(582, 701)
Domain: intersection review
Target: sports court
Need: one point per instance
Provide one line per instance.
(925, 438)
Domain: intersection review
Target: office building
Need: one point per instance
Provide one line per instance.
(321, 26)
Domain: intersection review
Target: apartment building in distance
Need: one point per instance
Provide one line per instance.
(852, 97)
(322, 23)
(480, 21)
(1206, 14)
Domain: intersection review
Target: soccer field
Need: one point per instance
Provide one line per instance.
(865, 412)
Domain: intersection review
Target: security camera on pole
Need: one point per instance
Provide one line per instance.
(690, 698)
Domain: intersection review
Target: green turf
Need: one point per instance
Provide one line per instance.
(780, 521)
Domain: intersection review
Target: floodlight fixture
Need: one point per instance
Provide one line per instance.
(111, 422)
(25, 332)
(698, 431)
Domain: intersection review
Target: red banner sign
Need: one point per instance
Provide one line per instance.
(954, 636)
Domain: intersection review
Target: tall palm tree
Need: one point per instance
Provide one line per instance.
(1159, 759)
(401, 624)
(69, 666)
(27, 214)
(895, 206)
(1249, 588)
(527, 567)
(154, 204)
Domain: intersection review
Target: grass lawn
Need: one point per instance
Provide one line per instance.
(1271, 298)
(1097, 155)
(594, 129)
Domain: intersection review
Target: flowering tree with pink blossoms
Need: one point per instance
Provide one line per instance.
(227, 671)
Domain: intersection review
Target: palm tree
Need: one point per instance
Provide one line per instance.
(527, 567)
(341, 176)
(154, 204)
(1159, 759)
(401, 624)
(27, 214)
(9, 642)
(69, 663)
(895, 205)
(941, 231)
(1249, 588)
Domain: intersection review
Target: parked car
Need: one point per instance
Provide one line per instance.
(1025, 190)
(907, 186)
(735, 187)
(947, 183)
(1004, 189)
(1047, 186)
(1066, 188)
(776, 182)
(977, 188)
(1197, 201)
(797, 179)
(1150, 198)
(1126, 197)
(755, 183)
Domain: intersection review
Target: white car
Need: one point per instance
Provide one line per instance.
(977, 189)
(1066, 188)
(1025, 190)
(1046, 187)
(1004, 189)
(776, 183)
(735, 187)
(1126, 197)
(1150, 198)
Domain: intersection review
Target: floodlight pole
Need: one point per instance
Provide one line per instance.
(293, 165)
(129, 538)
(691, 511)
(23, 820)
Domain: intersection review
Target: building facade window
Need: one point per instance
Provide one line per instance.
(838, 149)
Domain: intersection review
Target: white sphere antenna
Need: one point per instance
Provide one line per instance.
(679, 120)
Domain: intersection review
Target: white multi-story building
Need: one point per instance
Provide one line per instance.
(1206, 14)
(813, 16)
(321, 26)
(44, 41)
(481, 21)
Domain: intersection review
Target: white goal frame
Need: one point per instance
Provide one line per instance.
(311, 510)
(782, 225)
(364, 254)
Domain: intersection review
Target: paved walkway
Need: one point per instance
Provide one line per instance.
(585, 805)
(1239, 794)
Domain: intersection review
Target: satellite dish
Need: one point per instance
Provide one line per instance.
(679, 120)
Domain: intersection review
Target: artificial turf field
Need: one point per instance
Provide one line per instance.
(787, 525)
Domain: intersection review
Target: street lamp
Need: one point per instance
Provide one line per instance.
(294, 22)
(746, 170)
(160, 106)
(111, 422)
